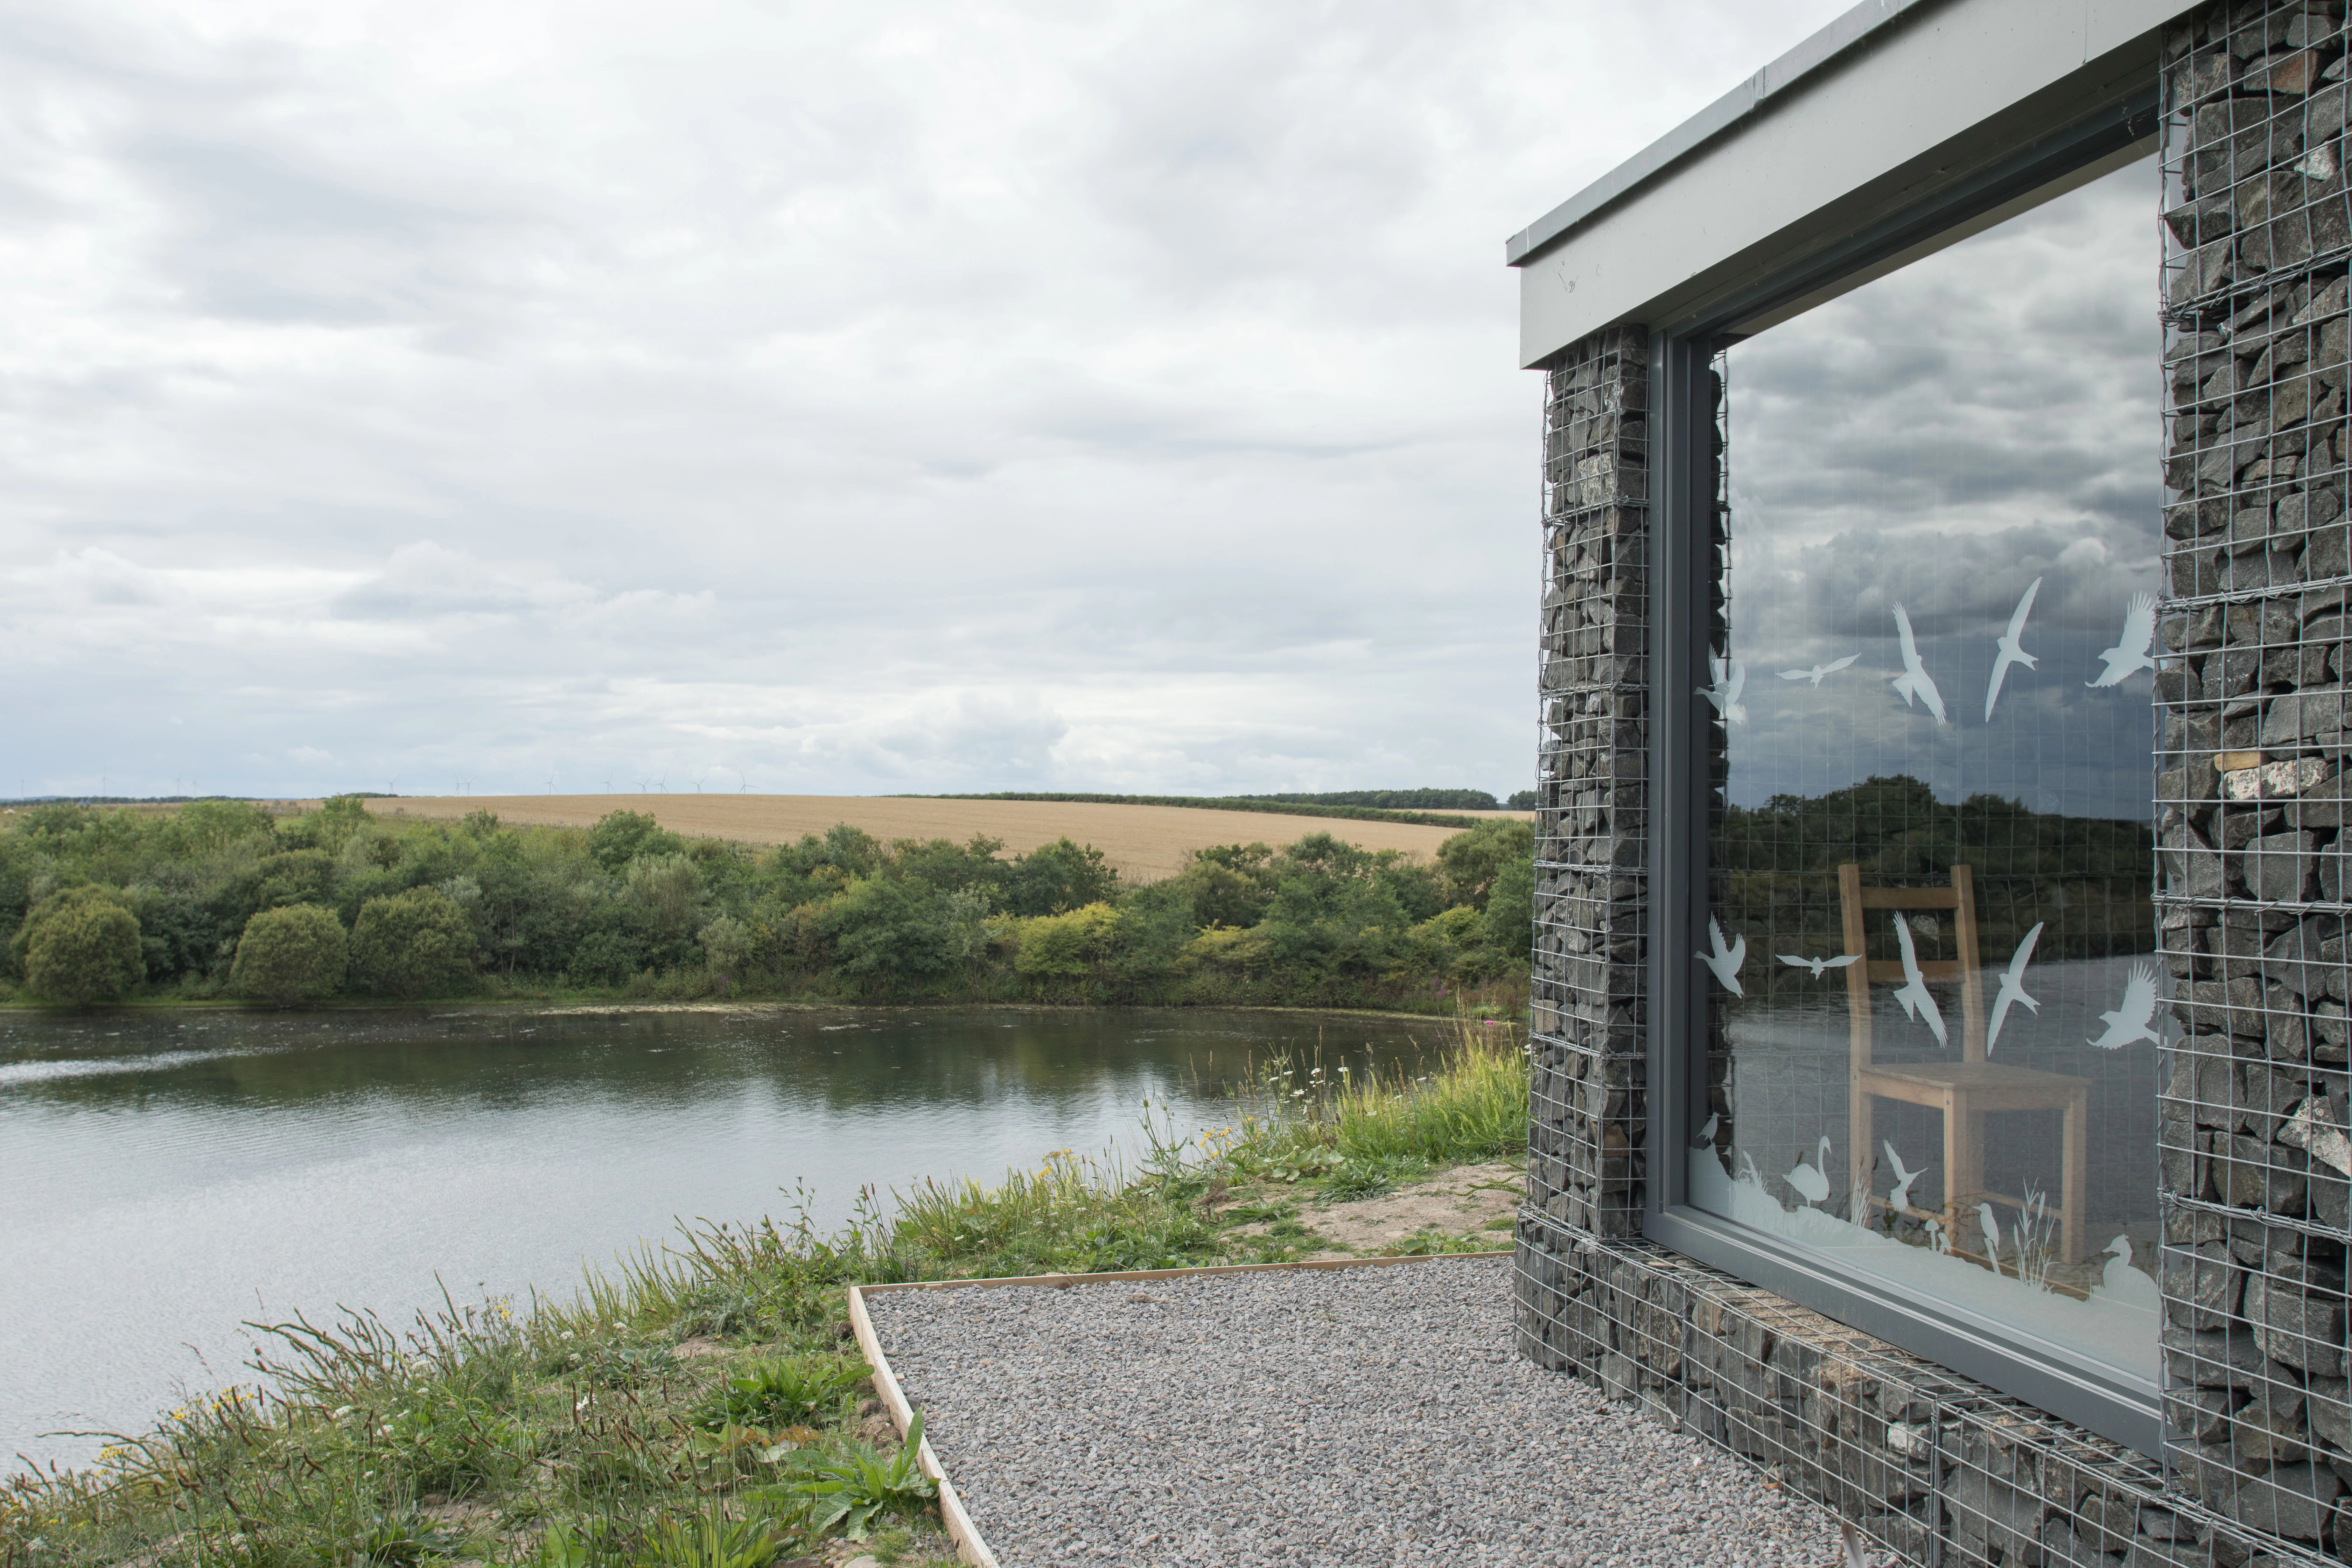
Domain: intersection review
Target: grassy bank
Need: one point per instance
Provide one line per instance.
(219, 899)
(703, 1407)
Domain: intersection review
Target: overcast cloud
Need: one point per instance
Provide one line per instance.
(1944, 438)
(826, 398)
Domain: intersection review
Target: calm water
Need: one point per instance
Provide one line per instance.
(168, 1175)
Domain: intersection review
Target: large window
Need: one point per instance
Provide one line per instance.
(1927, 1051)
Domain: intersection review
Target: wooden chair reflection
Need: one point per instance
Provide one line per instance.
(1967, 1090)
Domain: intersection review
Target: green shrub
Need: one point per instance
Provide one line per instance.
(412, 944)
(1510, 916)
(81, 946)
(1073, 943)
(297, 953)
(785, 1392)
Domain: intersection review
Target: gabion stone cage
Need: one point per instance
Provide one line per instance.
(2254, 777)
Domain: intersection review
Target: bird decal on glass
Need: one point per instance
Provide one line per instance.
(1819, 670)
(2012, 987)
(1706, 1133)
(1812, 1181)
(2120, 1281)
(1725, 961)
(2131, 649)
(1818, 965)
(1731, 679)
(1992, 1235)
(2008, 650)
(1913, 993)
(2135, 1016)
(1900, 1198)
(1915, 681)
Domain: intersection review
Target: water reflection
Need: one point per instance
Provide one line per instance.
(171, 1174)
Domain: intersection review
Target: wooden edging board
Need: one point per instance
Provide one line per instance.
(970, 1546)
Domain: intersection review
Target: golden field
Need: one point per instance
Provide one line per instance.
(1143, 841)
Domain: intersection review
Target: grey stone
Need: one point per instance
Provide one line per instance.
(2214, 1358)
(2300, 716)
(2279, 865)
(2201, 1287)
(2293, 1500)
(2296, 1328)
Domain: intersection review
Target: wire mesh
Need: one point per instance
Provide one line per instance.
(2255, 1165)
(1585, 1161)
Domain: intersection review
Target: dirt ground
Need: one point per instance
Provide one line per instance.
(1143, 841)
(1464, 1201)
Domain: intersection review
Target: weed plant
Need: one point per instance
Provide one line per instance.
(698, 1407)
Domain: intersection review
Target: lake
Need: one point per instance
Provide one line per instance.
(169, 1174)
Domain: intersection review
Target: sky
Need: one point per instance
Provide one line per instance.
(786, 398)
(1983, 424)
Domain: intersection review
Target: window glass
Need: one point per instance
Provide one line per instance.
(1928, 950)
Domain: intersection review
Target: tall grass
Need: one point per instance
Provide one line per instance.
(576, 1432)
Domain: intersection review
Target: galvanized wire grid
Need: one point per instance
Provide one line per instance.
(2252, 662)
(1584, 1161)
(1935, 1467)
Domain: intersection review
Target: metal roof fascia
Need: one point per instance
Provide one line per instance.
(1820, 49)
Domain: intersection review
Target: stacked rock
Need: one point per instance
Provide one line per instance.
(2254, 1158)
(1583, 1148)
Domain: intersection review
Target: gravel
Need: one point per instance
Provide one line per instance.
(1353, 1416)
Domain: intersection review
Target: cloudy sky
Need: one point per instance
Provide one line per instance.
(1982, 424)
(816, 398)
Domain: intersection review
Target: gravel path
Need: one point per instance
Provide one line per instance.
(1357, 1415)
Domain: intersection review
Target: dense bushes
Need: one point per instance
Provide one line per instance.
(81, 946)
(219, 897)
(297, 953)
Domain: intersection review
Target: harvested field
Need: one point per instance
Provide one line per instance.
(1143, 841)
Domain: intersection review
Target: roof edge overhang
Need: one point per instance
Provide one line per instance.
(1891, 108)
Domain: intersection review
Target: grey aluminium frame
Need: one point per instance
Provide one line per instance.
(1683, 495)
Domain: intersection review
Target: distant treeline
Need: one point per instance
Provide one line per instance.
(1340, 805)
(221, 899)
(2085, 880)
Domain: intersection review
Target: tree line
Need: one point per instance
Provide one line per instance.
(220, 899)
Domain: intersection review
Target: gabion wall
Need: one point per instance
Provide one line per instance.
(1585, 1139)
(2255, 739)
(2250, 796)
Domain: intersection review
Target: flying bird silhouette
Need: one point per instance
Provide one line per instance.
(1725, 961)
(1913, 993)
(1818, 965)
(1731, 679)
(1812, 1182)
(2131, 649)
(1915, 680)
(1706, 1133)
(2133, 1016)
(2012, 987)
(1819, 670)
(1900, 1198)
(2008, 650)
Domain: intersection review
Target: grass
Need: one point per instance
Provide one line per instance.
(702, 1408)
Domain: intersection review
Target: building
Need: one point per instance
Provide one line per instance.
(1940, 999)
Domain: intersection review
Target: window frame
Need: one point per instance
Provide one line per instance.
(2108, 136)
